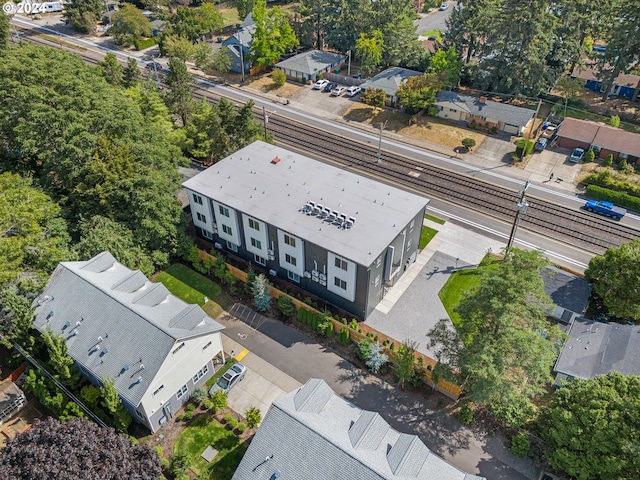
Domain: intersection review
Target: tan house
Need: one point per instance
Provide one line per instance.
(483, 112)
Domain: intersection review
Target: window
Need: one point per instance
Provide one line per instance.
(227, 230)
(207, 234)
(377, 282)
(453, 110)
(290, 241)
(289, 259)
(409, 244)
(293, 276)
(254, 224)
(232, 246)
(176, 350)
(259, 260)
(207, 345)
(256, 243)
(182, 391)
(379, 262)
(341, 264)
(201, 217)
(157, 391)
(413, 222)
(200, 373)
(197, 199)
(338, 282)
(223, 210)
(140, 415)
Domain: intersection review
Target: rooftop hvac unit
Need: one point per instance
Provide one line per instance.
(215, 228)
(307, 274)
(272, 272)
(218, 245)
(271, 252)
(323, 277)
(323, 283)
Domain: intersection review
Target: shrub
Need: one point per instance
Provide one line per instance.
(521, 144)
(142, 44)
(251, 277)
(228, 417)
(493, 130)
(608, 161)
(376, 359)
(353, 324)
(207, 404)
(286, 306)
(364, 349)
(589, 156)
(465, 415)
(180, 417)
(520, 444)
(392, 347)
(191, 407)
(241, 427)
(188, 415)
(374, 97)
(619, 198)
(432, 111)
(385, 343)
(158, 450)
(622, 164)
(468, 143)
(219, 400)
(615, 121)
(179, 463)
(198, 395)
(375, 338)
(253, 416)
(344, 320)
(261, 293)
(343, 337)
(164, 463)
(233, 423)
(279, 77)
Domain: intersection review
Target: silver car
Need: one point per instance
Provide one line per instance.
(230, 378)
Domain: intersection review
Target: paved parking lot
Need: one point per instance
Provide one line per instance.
(320, 101)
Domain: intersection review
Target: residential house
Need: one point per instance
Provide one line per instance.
(624, 85)
(340, 236)
(238, 45)
(158, 26)
(570, 293)
(119, 325)
(602, 139)
(596, 348)
(390, 80)
(486, 113)
(306, 66)
(313, 434)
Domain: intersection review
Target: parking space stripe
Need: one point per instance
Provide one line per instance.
(242, 354)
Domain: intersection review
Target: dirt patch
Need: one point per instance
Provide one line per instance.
(428, 129)
(265, 84)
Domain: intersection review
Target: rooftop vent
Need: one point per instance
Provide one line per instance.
(275, 160)
(138, 380)
(483, 100)
(104, 351)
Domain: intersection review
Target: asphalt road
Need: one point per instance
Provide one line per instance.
(434, 20)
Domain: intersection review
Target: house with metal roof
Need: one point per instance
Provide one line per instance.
(390, 80)
(119, 325)
(238, 45)
(483, 112)
(596, 348)
(313, 434)
(307, 65)
(570, 294)
(602, 139)
(340, 236)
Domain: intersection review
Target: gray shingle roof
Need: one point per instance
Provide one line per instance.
(112, 328)
(339, 441)
(311, 62)
(275, 193)
(391, 79)
(500, 111)
(596, 348)
(566, 290)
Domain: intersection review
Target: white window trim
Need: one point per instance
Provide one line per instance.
(182, 391)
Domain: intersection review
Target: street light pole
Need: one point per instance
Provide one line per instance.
(521, 207)
(382, 126)
(265, 118)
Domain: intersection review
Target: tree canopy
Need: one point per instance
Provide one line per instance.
(273, 35)
(129, 24)
(503, 348)
(76, 450)
(592, 428)
(83, 14)
(614, 276)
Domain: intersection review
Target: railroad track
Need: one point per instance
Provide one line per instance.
(564, 224)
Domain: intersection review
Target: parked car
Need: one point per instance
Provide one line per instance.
(576, 155)
(153, 66)
(330, 86)
(336, 92)
(353, 90)
(230, 378)
(605, 208)
(320, 84)
(541, 144)
(444, 6)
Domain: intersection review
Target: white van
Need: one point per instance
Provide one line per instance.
(51, 7)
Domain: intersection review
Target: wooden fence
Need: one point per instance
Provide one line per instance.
(449, 389)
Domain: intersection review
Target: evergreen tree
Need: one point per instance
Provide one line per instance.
(83, 14)
(179, 98)
(111, 69)
(131, 74)
(261, 293)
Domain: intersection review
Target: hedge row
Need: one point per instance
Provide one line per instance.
(621, 199)
(142, 44)
(604, 179)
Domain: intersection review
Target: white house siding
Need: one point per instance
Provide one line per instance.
(201, 211)
(230, 222)
(348, 276)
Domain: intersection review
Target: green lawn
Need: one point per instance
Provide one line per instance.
(202, 432)
(434, 219)
(433, 33)
(425, 236)
(229, 16)
(459, 283)
(191, 287)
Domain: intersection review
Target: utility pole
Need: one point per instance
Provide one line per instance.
(265, 118)
(349, 67)
(241, 62)
(382, 127)
(526, 137)
(521, 207)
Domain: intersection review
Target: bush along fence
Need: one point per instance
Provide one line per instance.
(346, 332)
(621, 199)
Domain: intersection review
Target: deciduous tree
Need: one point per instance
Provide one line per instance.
(592, 427)
(111, 69)
(76, 449)
(83, 14)
(374, 97)
(129, 24)
(131, 74)
(613, 276)
(273, 35)
(244, 7)
(221, 62)
(5, 31)
(419, 92)
(180, 47)
(369, 50)
(447, 65)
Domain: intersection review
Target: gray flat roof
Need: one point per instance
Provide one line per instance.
(250, 182)
(596, 348)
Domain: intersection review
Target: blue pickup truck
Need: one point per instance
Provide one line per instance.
(605, 208)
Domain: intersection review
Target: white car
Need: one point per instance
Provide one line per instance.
(444, 6)
(227, 381)
(353, 90)
(320, 84)
(336, 92)
(576, 155)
